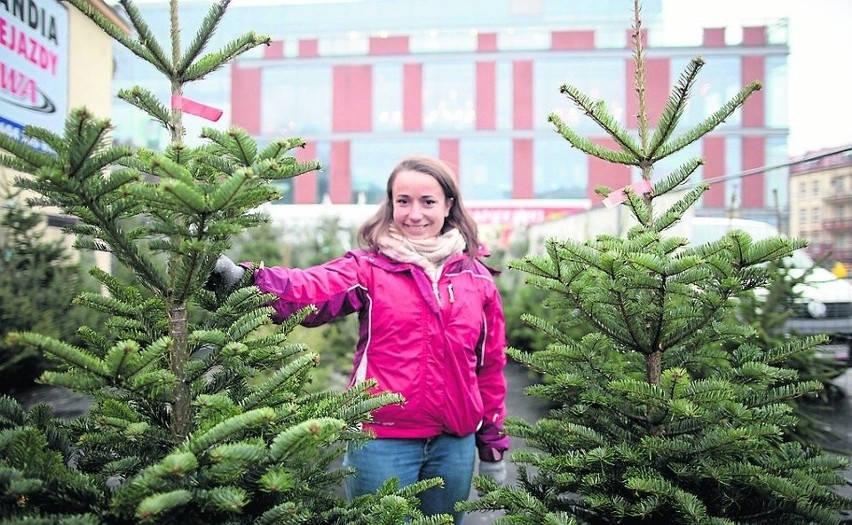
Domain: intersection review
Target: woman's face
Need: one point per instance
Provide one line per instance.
(419, 205)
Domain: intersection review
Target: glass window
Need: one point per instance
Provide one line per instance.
(434, 41)
(387, 97)
(523, 39)
(559, 171)
(296, 99)
(352, 43)
(611, 37)
(448, 91)
(815, 186)
(802, 189)
(485, 170)
(776, 179)
(718, 81)
(373, 160)
(504, 95)
(777, 100)
(733, 172)
(665, 166)
(815, 215)
(671, 34)
(599, 78)
(803, 216)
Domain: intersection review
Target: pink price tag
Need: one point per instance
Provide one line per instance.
(195, 108)
(618, 196)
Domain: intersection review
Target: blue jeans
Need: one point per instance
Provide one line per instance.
(411, 460)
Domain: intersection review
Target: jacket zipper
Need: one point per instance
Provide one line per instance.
(437, 292)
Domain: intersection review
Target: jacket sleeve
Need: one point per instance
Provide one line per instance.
(490, 438)
(334, 288)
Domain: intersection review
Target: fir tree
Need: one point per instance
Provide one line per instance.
(665, 412)
(38, 280)
(193, 421)
(768, 312)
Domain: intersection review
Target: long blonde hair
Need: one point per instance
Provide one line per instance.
(459, 218)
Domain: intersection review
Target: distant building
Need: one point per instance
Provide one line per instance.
(821, 204)
(473, 82)
(53, 59)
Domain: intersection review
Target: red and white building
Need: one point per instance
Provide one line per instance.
(365, 83)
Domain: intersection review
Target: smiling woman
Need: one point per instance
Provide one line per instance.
(431, 329)
(419, 205)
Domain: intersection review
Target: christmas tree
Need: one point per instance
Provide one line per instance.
(200, 411)
(38, 279)
(666, 410)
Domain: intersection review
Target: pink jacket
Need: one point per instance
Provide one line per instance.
(441, 345)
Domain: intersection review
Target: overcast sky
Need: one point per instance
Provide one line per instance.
(820, 61)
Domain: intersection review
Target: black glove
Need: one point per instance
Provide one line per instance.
(225, 275)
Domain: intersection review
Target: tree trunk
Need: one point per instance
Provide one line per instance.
(181, 421)
(653, 373)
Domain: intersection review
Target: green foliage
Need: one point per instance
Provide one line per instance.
(38, 281)
(300, 247)
(663, 408)
(201, 408)
(768, 312)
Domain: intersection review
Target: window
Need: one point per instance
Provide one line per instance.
(776, 92)
(448, 90)
(373, 160)
(560, 171)
(523, 39)
(444, 40)
(387, 97)
(717, 83)
(733, 165)
(297, 99)
(485, 170)
(599, 78)
(803, 189)
(504, 91)
(815, 188)
(776, 189)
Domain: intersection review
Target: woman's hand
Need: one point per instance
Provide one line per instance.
(496, 470)
(225, 275)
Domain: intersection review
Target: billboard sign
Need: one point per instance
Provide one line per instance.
(33, 65)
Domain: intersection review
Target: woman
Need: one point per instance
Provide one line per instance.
(431, 329)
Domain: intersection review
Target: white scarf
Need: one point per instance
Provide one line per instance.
(430, 254)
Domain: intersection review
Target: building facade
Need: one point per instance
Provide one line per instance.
(365, 83)
(53, 59)
(821, 204)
